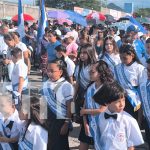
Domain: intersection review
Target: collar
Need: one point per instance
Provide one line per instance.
(118, 114)
(58, 81)
(19, 61)
(130, 63)
(66, 58)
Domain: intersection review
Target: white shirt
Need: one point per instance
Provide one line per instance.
(70, 66)
(36, 138)
(20, 70)
(3, 45)
(122, 132)
(135, 73)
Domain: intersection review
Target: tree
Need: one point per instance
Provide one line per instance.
(143, 12)
(70, 4)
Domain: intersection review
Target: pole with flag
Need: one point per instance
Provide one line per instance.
(20, 29)
(42, 22)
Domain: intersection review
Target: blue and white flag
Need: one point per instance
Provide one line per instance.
(20, 29)
(42, 21)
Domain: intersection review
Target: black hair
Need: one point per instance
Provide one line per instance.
(35, 114)
(148, 61)
(46, 29)
(62, 66)
(129, 50)
(15, 33)
(105, 73)
(16, 52)
(109, 93)
(60, 48)
(148, 41)
(54, 33)
(8, 37)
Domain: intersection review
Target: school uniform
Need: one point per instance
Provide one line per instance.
(10, 129)
(112, 60)
(83, 78)
(35, 138)
(20, 70)
(70, 66)
(118, 131)
(145, 97)
(57, 94)
(131, 78)
(92, 119)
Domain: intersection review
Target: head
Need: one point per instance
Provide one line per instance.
(110, 45)
(112, 31)
(32, 111)
(148, 46)
(9, 40)
(60, 51)
(52, 36)
(148, 69)
(7, 107)
(87, 54)
(101, 72)
(112, 95)
(69, 39)
(128, 54)
(57, 69)
(16, 54)
(132, 31)
(4, 29)
(15, 36)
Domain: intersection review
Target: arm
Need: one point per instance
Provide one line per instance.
(20, 86)
(92, 111)
(9, 140)
(131, 148)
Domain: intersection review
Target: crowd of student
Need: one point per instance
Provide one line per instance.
(97, 76)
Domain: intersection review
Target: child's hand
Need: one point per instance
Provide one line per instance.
(82, 112)
(87, 130)
(3, 139)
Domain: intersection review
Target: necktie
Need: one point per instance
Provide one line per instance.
(107, 116)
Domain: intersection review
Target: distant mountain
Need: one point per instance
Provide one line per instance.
(115, 7)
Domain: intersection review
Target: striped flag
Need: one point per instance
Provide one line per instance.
(20, 29)
(42, 21)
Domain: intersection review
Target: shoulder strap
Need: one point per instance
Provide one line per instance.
(58, 86)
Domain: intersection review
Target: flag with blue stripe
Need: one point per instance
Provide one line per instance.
(20, 29)
(42, 22)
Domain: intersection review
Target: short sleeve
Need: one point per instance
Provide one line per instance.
(134, 134)
(67, 91)
(23, 71)
(70, 67)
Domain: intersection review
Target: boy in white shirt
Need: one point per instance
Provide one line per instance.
(61, 53)
(117, 129)
(19, 75)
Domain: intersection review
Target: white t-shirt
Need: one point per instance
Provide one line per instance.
(20, 70)
(36, 138)
(122, 132)
(70, 66)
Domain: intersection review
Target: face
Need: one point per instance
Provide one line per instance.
(148, 48)
(6, 107)
(14, 59)
(117, 106)
(51, 37)
(11, 43)
(126, 59)
(83, 55)
(53, 72)
(5, 30)
(59, 54)
(148, 71)
(109, 46)
(100, 34)
(94, 75)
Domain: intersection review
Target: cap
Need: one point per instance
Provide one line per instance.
(132, 28)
